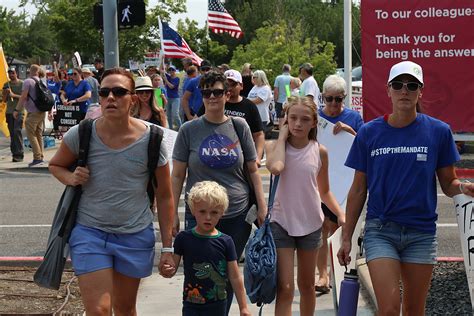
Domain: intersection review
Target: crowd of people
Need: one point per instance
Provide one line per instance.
(221, 116)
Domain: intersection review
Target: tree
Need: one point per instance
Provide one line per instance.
(71, 21)
(205, 47)
(275, 45)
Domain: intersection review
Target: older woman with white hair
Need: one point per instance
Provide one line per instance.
(261, 95)
(344, 119)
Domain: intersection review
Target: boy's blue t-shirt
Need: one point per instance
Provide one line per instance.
(205, 265)
(54, 86)
(173, 93)
(195, 102)
(347, 116)
(73, 92)
(401, 164)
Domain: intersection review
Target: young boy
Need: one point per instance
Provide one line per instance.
(209, 256)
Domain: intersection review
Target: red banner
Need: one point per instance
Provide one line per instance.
(436, 34)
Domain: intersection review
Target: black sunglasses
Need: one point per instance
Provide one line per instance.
(411, 86)
(116, 91)
(206, 93)
(330, 98)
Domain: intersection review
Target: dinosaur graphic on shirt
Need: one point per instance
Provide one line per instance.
(204, 271)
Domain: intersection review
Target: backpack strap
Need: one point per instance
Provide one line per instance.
(85, 132)
(273, 186)
(154, 145)
(36, 82)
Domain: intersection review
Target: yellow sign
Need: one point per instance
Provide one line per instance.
(3, 79)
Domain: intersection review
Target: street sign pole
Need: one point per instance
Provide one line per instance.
(111, 49)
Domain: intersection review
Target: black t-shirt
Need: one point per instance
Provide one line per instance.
(245, 109)
(205, 265)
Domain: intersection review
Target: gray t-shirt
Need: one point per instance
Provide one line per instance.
(214, 152)
(115, 199)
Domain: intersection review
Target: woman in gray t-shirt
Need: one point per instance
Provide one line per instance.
(112, 243)
(216, 147)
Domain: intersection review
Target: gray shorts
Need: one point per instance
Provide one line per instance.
(283, 240)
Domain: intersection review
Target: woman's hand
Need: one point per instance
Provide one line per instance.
(344, 253)
(284, 130)
(79, 176)
(339, 126)
(467, 188)
(261, 214)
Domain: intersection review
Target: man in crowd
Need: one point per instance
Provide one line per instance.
(309, 87)
(99, 66)
(35, 119)
(239, 106)
(11, 94)
(279, 89)
(192, 98)
(87, 75)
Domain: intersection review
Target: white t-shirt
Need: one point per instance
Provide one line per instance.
(310, 87)
(265, 93)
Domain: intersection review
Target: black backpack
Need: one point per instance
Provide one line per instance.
(44, 97)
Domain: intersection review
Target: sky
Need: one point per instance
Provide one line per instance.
(197, 10)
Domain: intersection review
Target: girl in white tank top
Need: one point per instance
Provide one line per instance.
(303, 168)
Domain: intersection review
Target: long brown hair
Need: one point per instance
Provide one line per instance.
(309, 103)
(158, 114)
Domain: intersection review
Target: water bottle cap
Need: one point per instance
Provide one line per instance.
(352, 274)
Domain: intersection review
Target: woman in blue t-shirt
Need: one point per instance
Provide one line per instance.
(77, 92)
(344, 119)
(397, 158)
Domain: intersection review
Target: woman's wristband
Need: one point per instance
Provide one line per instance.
(167, 249)
(461, 187)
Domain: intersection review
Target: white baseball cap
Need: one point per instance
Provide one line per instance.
(406, 68)
(233, 75)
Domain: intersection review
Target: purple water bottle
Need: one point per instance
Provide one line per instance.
(349, 294)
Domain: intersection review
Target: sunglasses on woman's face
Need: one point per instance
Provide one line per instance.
(116, 91)
(330, 98)
(410, 86)
(206, 93)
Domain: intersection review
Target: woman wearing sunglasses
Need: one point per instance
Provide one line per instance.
(215, 147)
(396, 158)
(344, 119)
(146, 108)
(112, 243)
(77, 92)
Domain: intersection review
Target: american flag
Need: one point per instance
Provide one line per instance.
(221, 21)
(174, 46)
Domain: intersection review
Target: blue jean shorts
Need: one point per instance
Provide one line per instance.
(401, 243)
(129, 254)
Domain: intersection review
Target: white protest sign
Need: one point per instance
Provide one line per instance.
(465, 215)
(76, 60)
(338, 146)
(169, 138)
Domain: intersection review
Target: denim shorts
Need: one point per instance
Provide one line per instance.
(401, 243)
(306, 242)
(129, 254)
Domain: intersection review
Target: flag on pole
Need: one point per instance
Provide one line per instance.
(221, 21)
(174, 46)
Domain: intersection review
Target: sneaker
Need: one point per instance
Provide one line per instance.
(17, 159)
(35, 162)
